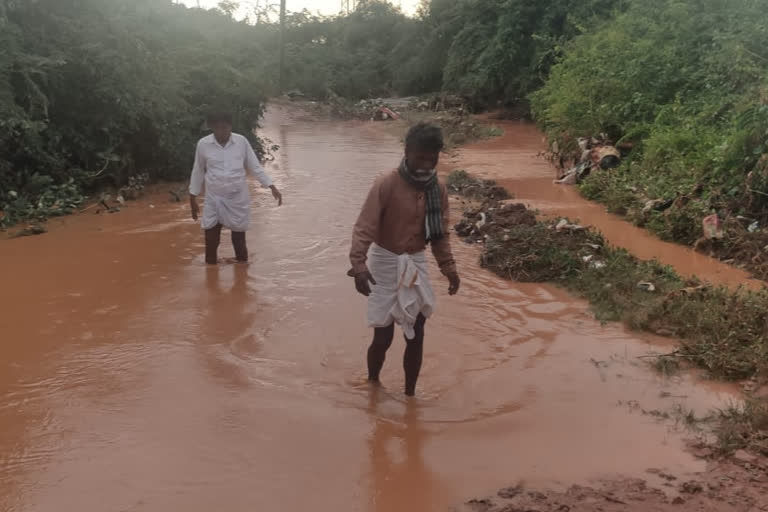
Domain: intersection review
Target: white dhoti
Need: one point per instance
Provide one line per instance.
(402, 290)
(227, 204)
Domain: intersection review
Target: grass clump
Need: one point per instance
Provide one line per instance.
(666, 364)
(743, 426)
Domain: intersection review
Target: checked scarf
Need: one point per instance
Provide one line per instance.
(434, 205)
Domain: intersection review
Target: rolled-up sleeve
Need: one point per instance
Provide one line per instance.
(366, 228)
(442, 248)
(253, 166)
(198, 172)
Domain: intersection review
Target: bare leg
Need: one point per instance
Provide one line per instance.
(414, 352)
(238, 242)
(212, 239)
(377, 352)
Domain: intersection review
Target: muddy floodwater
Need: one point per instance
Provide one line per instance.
(135, 378)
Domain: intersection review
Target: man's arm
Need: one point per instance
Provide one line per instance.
(196, 181)
(442, 248)
(366, 232)
(253, 165)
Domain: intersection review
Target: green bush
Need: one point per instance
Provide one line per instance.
(685, 82)
(487, 51)
(96, 91)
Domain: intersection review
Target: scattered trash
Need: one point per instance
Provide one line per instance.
(477, 224)
(481, 222)
(384, 114)
(588, 258)
(658, 205)
(754, 227)
(645, 285)
(597, 264)
(151, 206)
(606, 157)
(713, 227)
(564, 224)
(121, 200)
(595, 153)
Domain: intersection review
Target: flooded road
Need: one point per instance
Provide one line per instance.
(512, 160)
(135, 378)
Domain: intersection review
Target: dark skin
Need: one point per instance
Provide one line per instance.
(415, 159)
(222, 132)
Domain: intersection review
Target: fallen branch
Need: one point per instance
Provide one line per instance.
(676, 353)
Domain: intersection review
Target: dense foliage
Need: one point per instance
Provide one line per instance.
(485, 50)
(685, 81)
(93, 92)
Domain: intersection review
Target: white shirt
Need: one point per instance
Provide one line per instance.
(223, 169)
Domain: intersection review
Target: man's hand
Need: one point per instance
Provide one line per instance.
(194, 206)
(277, 195)
(455, 281)
(363, 282)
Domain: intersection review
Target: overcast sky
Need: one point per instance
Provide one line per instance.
(322, 6)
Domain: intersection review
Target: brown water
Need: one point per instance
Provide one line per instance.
(512, 160)
(133, 378)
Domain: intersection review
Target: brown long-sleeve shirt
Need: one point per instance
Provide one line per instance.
(394, 216)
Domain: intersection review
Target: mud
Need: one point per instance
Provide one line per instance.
(726, 486)
(133, 377)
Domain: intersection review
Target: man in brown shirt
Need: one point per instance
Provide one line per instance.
(405, 210)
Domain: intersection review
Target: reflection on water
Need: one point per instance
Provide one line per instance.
(134, 377)
(401, 479)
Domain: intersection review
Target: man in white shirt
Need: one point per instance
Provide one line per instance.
(222, 161)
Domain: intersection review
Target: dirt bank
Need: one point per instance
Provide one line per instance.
(514, 161)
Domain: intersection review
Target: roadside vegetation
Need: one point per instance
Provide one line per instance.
(99, 94)
(684, 84)
(94, 92)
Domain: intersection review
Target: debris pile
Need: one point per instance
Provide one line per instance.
(465, 185)
(478, 224)
(596, 153)
(517, 246)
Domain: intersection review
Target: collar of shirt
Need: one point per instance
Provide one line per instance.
(211, 139)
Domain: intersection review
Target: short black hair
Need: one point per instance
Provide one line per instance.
(218, 116)
(425, 137)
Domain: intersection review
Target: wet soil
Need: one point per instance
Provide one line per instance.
(726, 486)
(135, 378)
